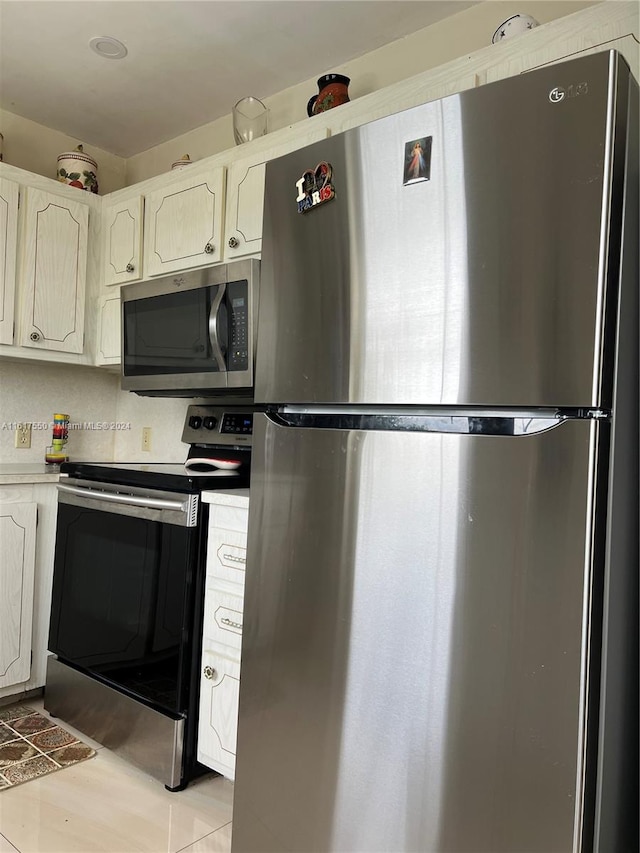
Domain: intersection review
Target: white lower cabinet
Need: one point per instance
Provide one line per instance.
(18, 539)
(218, 726)
(222, 630)
(27, 540)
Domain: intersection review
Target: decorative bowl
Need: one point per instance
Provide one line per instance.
(513, 26)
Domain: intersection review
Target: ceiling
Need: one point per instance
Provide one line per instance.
(188, 61)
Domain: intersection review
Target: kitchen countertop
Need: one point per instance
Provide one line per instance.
(227, 497)
(28, 472)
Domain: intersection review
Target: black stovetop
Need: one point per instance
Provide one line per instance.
(159, 475)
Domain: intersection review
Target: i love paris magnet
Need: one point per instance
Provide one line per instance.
(315, 187)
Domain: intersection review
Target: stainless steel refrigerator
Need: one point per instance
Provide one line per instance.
(440, 636)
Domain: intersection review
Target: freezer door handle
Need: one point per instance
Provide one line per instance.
(480, 422)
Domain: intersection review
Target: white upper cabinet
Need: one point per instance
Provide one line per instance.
(54, 272)
(18, 537)
(245, 194)
(9, 195)
(122, 228)
(183, 224)
(109, 334)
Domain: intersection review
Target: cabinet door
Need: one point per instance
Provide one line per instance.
(123, 241)
(54, 274)
(109, 334)
(18, 537)
(183, 224)
(218, 720)
(245, 195)
(8, 235)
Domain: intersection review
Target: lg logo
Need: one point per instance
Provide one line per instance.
(558, 93)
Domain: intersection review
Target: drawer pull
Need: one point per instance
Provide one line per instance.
(231, 623)
(209, 672)
(233, 559)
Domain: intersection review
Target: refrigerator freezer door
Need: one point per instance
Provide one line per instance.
(413, 660)
(483, 285)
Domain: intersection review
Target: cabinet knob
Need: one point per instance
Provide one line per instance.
(209, 248)
(130, 268)
(233, 242)
(209, 672)
(35, 336)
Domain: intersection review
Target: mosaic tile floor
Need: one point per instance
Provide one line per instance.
(31, 745)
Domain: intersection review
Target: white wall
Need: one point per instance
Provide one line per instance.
(450, 39)
(34, 147)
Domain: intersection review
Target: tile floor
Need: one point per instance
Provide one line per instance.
(104, 804)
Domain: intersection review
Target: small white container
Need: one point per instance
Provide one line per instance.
(513, 26)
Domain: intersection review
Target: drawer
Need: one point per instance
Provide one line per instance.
(229, 517)
(227, 555)
(223, 618)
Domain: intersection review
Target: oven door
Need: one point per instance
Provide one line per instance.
(124, 586)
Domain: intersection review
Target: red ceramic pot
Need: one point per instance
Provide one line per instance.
(332, 91)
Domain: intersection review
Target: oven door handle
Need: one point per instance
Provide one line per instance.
(213, 328)
(130, 500)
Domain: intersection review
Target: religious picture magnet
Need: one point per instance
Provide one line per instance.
(417, 160)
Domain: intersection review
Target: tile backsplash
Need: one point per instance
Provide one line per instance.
(105, 422)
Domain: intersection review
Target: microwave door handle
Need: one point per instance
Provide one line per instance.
(213, 328)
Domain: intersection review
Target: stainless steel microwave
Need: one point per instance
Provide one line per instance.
(192, 334)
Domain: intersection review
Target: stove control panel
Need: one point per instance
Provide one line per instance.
(237, 423)
(218, 425)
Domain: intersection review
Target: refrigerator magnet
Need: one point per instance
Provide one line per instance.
(417, 160)
(315, 187)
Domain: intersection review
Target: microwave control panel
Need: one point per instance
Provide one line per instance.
(238, 307)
